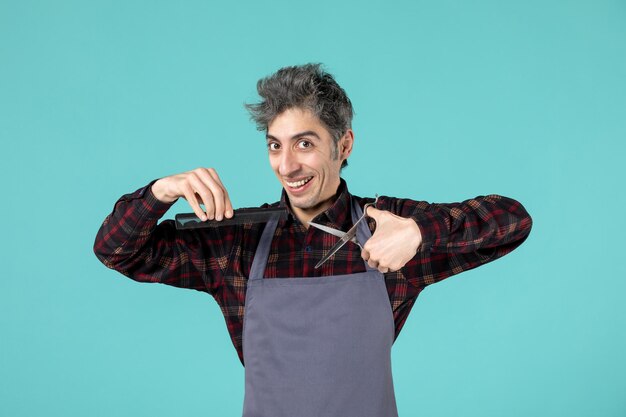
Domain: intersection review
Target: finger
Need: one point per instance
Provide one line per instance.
(228, 206)
(205, 195)
(365, 254)
(216, 191)
(193, 202)
(383, 269)
(372, 263)
(227, 203)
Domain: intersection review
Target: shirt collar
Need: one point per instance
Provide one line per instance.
(337, 214)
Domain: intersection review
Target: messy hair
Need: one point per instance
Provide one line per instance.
(308, 87)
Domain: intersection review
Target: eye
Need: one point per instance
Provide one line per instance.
(303, 144)
(272, 146)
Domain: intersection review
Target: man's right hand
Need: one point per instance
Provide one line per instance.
(200, 186)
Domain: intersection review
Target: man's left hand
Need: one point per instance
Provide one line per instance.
(394, 242)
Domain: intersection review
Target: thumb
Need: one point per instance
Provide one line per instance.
(373, 212)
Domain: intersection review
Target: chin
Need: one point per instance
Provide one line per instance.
(304, 202)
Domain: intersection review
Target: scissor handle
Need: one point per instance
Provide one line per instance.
(373, 203)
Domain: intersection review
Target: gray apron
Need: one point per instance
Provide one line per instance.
(317, 346)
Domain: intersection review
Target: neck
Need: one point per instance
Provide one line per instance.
(306, 215)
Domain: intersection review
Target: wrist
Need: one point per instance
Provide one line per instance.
(416, 233)
(159, 190)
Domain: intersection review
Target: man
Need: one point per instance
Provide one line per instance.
(314, 341)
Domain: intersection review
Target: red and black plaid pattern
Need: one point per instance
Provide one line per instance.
(456, 237)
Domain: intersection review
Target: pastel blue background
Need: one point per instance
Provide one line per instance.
(453, 99)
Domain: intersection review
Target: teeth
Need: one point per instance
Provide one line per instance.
(299, 183)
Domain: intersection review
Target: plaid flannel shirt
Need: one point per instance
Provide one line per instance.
(456, 237)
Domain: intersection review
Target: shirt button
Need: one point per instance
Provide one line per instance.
(307, 249)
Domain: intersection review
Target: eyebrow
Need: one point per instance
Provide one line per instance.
(296, 136)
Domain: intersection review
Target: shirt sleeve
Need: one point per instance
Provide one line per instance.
(130, 242)
(460, 236)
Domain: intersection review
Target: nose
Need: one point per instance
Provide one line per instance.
(289, 163)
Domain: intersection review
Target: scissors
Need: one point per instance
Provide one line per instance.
(350, 235)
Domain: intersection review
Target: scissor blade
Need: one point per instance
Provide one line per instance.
(335, 232)
(348, 236)
(327, 229)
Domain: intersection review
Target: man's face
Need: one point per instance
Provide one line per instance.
(305, 159)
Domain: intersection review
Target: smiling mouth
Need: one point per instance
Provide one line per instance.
(300, 183)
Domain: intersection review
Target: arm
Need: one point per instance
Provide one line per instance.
(456, 237)
(130, 242)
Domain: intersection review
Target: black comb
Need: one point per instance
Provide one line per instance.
(240, 216)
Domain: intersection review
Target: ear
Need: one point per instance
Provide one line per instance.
(345, 144)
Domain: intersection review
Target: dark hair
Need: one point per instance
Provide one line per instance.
(307, 87)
